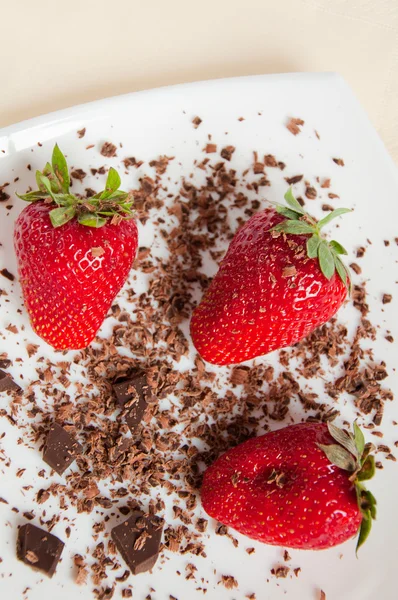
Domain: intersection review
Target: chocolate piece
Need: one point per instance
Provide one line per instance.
(6, 273)
(7, 383)
(39, 549)
(133, 395)
(138, 541)
(5, 363)
(60, 449)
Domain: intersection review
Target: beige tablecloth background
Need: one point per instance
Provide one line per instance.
(55, 55)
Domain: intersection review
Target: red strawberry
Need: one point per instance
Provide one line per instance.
(275, 285)
(73, 255)
(295, 487)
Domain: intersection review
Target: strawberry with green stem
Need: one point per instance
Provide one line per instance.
(74, 254)
(279, 280)
(298, 487)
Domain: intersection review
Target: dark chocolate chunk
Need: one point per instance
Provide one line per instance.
(60, 449)
(7, 383)
(6, 273)
(138, 541)
(5, 363)
(38, 548)
(133, 395)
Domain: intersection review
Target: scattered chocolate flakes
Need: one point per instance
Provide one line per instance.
(386, 299)
(81, 132)
(138, 541)
(6, 273)
(38, 548)
(5, 363)
(196, 122)
(108, 149)
(7, 384)
(310, 192)
(339, 161)
(228, 581)
(294, 125)
(327, 207)
(286, 556)
(326, 183)
(227, 152)
(60, 449)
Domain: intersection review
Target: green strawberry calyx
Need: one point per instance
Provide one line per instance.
(353, 455)
(299, 222)
(53, 183)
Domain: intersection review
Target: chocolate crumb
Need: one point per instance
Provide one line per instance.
(360, 252)
(339, 161)
(228, 581)
(356, 268)
(6, 273)
(227, 152)
(81, 132)
(281, 571)
(196, 122)
(78, 174)
(294, 179)
(386, 299)
(310, 192)
(210, 148)
(294, 125)
(108, 149)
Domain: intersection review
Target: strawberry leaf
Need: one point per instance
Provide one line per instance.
(344, 438)
(312, 246)
(339, 456)
(337, 247)
(60, 216)
(45, 184)
(91, 220)
(287, 212)
(60, 169)
(293, 203)
(48, 171)
(113, 182)
(332, 215)
(341, 270)
(368, 469)
(295, 227)
(359, 439)
(326, 260)
(364, 530)
(33, 196)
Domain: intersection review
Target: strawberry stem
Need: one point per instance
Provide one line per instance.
(53, 185)
(298, 222)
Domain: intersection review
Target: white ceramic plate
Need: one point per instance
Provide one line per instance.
(158, 122)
